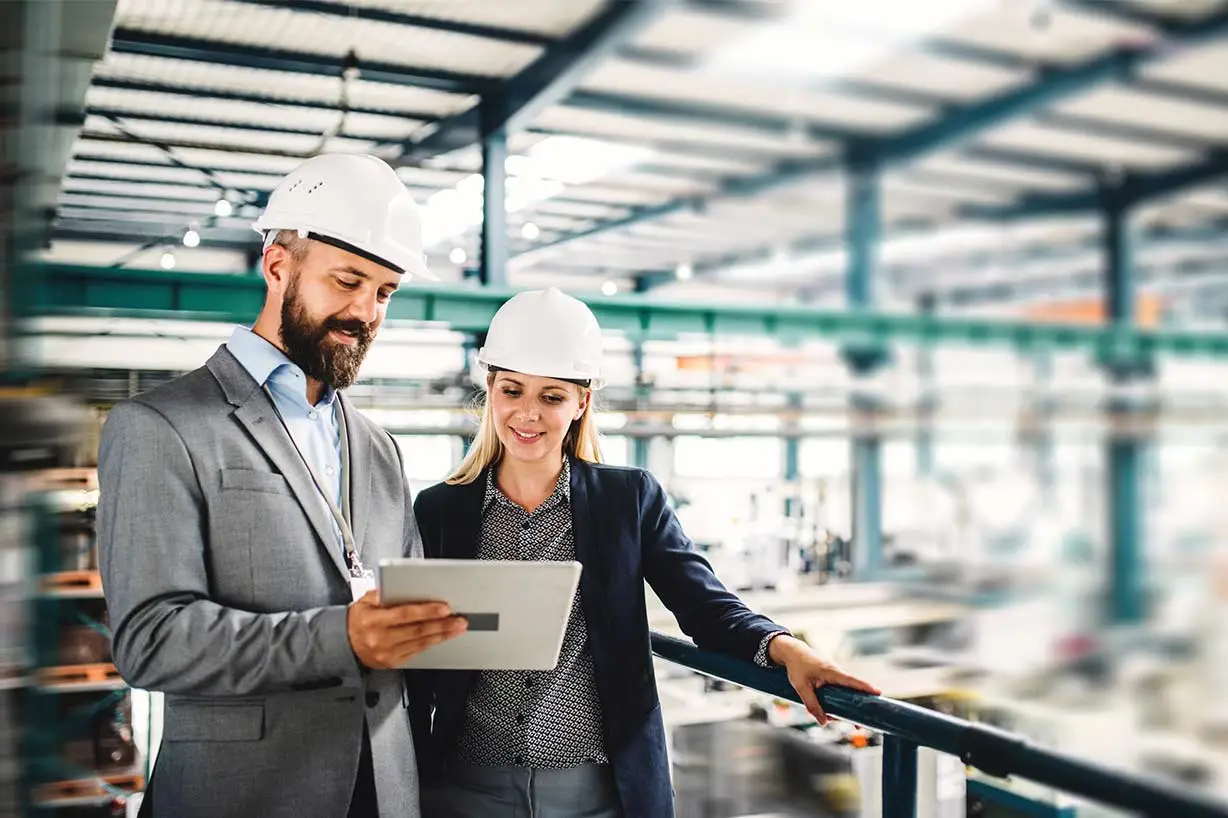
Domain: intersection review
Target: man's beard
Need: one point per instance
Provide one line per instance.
(308, 345)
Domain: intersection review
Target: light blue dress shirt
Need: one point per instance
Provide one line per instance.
(315, 429)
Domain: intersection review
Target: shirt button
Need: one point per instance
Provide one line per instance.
(330, 471)
(520, 718)
(528, 681)
(525, 525)
(520, 759)
(312, 415)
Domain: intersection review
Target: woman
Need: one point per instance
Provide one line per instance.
(587, 738)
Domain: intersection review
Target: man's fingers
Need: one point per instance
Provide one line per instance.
(412, 647)
(811, 699)
(412, 612)
(406, 634)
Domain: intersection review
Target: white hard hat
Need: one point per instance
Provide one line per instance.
(352, 201)
(545, 333)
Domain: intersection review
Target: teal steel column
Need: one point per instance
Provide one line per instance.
(640, 443)
(926, 305)
(493, 267)
(792, 466)
(1125, 500)
(863, 223)
(899, 777)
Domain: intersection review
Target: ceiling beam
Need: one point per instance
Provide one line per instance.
(379, 15)
(216, 52)
(547, 80)
(258, 99)
(956, 124)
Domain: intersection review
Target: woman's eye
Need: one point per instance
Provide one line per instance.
(511, 393)
(349, 285)
(553, 399)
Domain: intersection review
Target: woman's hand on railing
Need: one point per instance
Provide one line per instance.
(808, 671)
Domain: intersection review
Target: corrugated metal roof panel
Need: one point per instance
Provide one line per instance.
(955, 164)
(692, 30)
(1158, 111)
(1202, 66)
(933, 74)
(637, 129)
(662, 84)
(242, 24)
(1039, 141)
(1051, 34)
(553, 17)
(190, 193)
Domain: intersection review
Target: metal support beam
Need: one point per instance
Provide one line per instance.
(493, 268)
(929, 399)
(1124, 456)
(1134, 189)
(643, 389)
(58, 289)
(864, 226)
(217, 52)
(546, 81)
(1051, 85)
(792, 464)
(899, 777)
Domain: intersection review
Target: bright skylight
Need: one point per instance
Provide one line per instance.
(544, 172)
(822, 39)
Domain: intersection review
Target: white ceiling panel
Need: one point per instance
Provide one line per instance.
(663, 84)
(1038, 140)
(326, 34)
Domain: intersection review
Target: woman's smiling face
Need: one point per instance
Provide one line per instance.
(533, 414)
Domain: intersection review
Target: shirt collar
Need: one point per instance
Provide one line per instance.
(268, 364)
(561, 493)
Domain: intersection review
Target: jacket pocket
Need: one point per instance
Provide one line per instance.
(213, 721)
(248, 480)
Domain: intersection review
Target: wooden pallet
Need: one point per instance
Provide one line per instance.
(103, 673)
(86, 789)
(71, 583)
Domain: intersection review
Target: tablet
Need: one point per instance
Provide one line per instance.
(517, 610)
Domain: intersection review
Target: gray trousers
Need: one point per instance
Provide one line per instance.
(520, 792)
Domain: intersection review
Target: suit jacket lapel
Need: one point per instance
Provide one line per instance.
(256, 414)
(359, 475)
(585, 530)
(465, 523)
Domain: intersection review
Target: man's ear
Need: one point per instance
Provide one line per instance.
(276, 266)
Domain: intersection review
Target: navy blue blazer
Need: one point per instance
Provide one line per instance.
(625, 533)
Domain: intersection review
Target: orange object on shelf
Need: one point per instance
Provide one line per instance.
(1148, 311)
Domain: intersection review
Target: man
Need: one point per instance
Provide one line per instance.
(242, 507)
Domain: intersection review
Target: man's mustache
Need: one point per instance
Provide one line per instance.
(361, 329)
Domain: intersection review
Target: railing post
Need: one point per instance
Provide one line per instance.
(899, 777)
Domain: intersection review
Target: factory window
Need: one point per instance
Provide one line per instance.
(616, 450)
(428, 458)
(728, 457)
(822, 457)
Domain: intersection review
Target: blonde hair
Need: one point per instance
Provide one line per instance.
(582, 441)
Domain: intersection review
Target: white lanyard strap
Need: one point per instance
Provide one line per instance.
(340, 515)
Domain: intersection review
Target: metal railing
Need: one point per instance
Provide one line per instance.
(906, 727)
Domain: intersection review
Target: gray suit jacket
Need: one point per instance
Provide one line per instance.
(227, 592)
